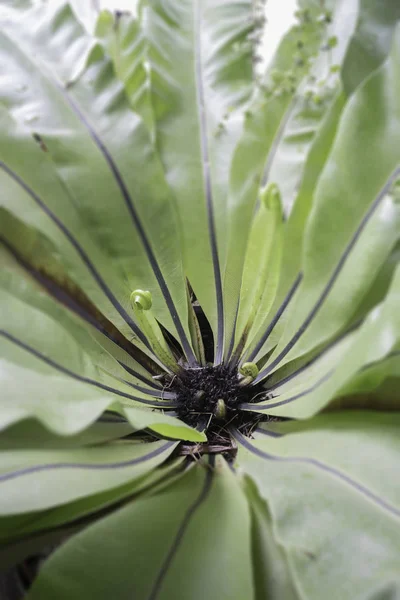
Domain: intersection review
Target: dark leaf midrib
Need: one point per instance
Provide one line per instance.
(363, 490)
(49, 361)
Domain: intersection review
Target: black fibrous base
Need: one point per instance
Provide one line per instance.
(199, 390)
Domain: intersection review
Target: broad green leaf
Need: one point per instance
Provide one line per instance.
(272, 577)
(24, 534)
(379, 286)
(86, 125)
(298, 101)
(33, 338)
(306, 392)
(70, 308)
(334, 501)
(346, 303)
(290, 275)
(352, 196)
(135, 158)
(29, 296)
(123, 36)
(196, 522)
(66, 406)
(371, 41)
(313, 163)
(48, 237)
(32, 480)
(372, 375)
(260, 128)
(69, 387)
(201, 71)
(31, 434)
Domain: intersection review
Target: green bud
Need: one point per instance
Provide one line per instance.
(220, 409)
(141, 304)
(270, 197)
(249, 369)
(141, 299)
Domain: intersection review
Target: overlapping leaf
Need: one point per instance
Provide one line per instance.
(50, 107)
(135, 159)
(334, 501)
(196, 521)
(309, 389)
(201, 71)
(352, 198)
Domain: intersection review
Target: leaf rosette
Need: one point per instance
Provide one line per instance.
(199, 291)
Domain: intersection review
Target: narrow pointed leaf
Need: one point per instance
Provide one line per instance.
(261, 268)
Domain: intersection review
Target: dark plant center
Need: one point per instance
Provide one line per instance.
(209, 394)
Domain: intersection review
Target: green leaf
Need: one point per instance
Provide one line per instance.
(374, 374)
(334, 502)
(349, 196)
(262, 122)
(49, 351)
(124, 40)
(261, 266)
(66, 407)
(31, 434)
(39, 354)
(379, 286)
(83, 125)
(272, 576)
(311, 387)
(195, 521)
(162, 424)
(133, 164)
(313, 163)
(201, 71)
(39, 479)
(371, 41)
(313, 99)
(286, 138)
(290, 276)
(35, 277)
(26, 534)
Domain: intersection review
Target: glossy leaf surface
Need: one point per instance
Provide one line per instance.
(199, 301)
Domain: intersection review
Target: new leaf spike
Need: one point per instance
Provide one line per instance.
(141, 303)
